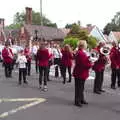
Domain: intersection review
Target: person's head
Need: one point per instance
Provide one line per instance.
(114, 44)
(67, 48)
(7, 44)
(42, 46)
(82, 44)
(101, 44)
(22, 52)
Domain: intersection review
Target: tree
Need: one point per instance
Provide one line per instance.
(92, 42)
(114, 25)
(19, 20)
(72, 42)
(76, 32)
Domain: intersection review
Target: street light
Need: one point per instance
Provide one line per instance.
(41, 17)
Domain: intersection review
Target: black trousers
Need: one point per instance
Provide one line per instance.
(8, 69)
(43, 71)
(115, 74)
(57, 62)
(28, 68)
(22, 74)
(36, 65)
(79, 90)
(98, 82)
(63, 69)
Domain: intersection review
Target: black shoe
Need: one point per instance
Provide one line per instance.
(113, 87)
(63, 82)
(25, 82)
(84, 102)
(69, 81)
(102, 90)
(97, 92)
(78, 104)
(19, 83)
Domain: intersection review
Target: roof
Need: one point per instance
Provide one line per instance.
(116, 34)
(47, 33)
(14, 33)
(88, 28)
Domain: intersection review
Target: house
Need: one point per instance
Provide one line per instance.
(95, 32)
(29, 32)
(114, 36)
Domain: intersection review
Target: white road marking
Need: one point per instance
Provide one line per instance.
(34, 102)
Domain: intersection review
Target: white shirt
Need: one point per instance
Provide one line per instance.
(21, 60)
(57, 53)
(34, 49)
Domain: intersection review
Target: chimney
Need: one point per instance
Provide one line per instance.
(2, 23)
(28, 15)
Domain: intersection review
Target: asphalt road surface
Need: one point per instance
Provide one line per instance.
(27, 102)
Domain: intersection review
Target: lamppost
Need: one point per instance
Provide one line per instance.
(41, 17)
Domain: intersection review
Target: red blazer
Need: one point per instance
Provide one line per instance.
(5, 55)
(99, 65)
(43, 57)
(27, 53)
(115, 58)
(82, 65)
(66, 58)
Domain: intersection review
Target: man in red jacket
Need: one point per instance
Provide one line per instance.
(81, 72)
(115, 65)
(99, 67)
(43, 57)
(8, 56)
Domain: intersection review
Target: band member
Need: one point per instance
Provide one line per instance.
(51, 60)
(99, 67)
(57, 59)
(21, 60)
(34, 51)
(66, 62)
(7, 56)
(81, 72)
(115, 65)
(43, 59)
(27, 53)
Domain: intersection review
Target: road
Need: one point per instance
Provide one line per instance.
(27, 102)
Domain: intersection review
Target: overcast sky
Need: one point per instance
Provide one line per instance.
(96, 12)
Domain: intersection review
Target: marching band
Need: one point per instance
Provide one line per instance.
(64, 59)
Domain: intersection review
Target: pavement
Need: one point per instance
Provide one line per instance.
(27, 102)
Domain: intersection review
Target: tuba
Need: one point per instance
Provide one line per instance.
(105, 50)
(94, 55)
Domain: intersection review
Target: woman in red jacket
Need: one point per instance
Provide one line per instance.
(66, 62)
(81, 72)
(43, 59)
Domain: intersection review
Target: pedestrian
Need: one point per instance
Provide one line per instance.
(115, 65)
(28, 55)
(8, 58)
(99, 67)
(21, 61)
(66, 62)
(81, 72)
(43, 59)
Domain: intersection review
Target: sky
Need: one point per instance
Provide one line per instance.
(95, 12)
